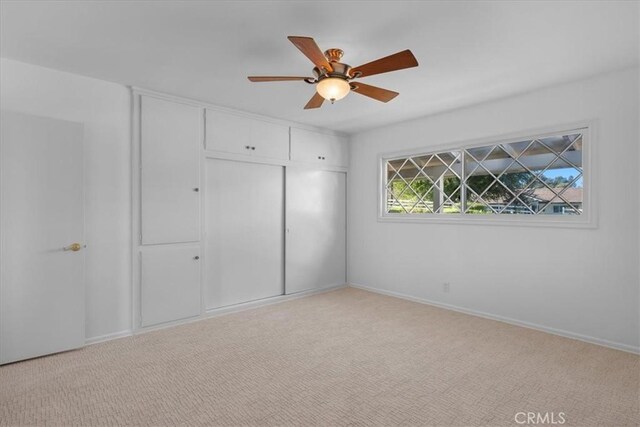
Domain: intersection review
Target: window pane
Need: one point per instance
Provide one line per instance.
(536, 176)
(557, 188)
(424, 184)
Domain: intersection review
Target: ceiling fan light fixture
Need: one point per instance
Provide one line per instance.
(332, 77)
(333, 88)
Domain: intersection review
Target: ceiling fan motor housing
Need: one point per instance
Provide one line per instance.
(340, 70)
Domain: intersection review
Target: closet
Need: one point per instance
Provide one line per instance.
(316, 229)
(245, 232)
(231, 208)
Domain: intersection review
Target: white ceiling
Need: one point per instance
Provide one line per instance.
(469, 52)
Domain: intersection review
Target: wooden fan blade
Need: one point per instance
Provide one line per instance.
(374, 92)
(311, 50)
(275, 78)
(315, 101)
(397, 61)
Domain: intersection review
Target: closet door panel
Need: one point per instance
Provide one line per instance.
(227, 133)
(316, 229)
(170, 147)
(230, 133)
(322, 149)
(244, 232)
(170, 283)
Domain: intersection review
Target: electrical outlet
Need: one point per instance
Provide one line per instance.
(446, 287)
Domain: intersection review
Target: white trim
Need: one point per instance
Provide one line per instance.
(588, 219)
(135, 209)
(204, 104)
(221, 155)
(108, 337)
(553, 331)
(221, 311)
(283, 298)
(215, 312)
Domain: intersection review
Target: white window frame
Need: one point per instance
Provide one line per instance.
(587, 219)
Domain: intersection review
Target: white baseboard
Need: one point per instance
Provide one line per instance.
(212, 313)
(108, 337)
(559, 332)
(268, 301)
(237, 308)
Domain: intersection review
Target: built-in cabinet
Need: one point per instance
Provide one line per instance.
(317, 148)
(231, 133)
(231, 208)
(170, 135)
(170, 283)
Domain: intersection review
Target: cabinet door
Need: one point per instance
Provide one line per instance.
(314, 147)
(245, 232)
(170, 181)
(170, 283)
(230, 133)
(316, 229)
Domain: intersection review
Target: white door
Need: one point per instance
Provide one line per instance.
(316, 229)
(171, 134)
(41, 209)
(245, 232)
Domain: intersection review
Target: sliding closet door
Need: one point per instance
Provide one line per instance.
(316, 229)
(244, 232)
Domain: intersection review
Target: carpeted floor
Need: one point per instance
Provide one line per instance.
(346, 357)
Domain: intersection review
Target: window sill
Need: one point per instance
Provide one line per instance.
(510, 221)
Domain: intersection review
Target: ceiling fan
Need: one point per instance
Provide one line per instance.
(334, 79)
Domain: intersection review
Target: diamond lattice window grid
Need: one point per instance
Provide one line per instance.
(535, 176)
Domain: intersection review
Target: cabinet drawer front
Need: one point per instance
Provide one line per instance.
(314, 147)
(170, 283)
(230, 133)
(170, 177)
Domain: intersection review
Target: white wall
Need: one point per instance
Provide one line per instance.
(582, 282)
(105, 110)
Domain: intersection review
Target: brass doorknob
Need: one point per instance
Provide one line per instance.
(75, 247)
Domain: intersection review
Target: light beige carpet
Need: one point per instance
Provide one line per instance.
(347, 357)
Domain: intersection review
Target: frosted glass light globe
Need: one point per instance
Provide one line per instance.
(333, 88)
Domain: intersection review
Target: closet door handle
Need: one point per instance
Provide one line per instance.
(196, 189)
(196, 257)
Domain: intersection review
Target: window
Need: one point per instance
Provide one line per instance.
(534, 177)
